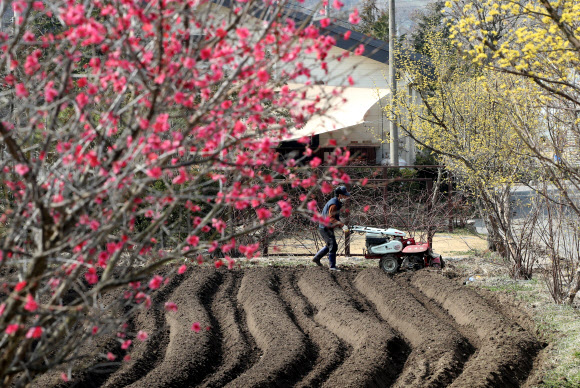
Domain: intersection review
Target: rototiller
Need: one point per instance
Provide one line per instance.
(395, 252)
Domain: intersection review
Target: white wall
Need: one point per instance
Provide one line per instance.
(366, 72)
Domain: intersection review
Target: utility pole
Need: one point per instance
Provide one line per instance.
(394, 131)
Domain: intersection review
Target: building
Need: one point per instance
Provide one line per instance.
(358, 123)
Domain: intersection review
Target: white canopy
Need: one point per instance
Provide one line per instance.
(339, 114)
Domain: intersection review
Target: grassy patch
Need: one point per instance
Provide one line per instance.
(470, 253)
(558, 325)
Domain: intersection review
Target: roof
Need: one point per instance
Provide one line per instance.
(375, 49)
(343, 110)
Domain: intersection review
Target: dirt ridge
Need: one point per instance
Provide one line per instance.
(308, 327)
(507, 351)
(438, 352)
(273, 330)
(330, 352)
(374, 343)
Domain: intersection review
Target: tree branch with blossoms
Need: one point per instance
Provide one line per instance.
(125, 122)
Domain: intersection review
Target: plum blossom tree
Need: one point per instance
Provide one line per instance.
(120, 116)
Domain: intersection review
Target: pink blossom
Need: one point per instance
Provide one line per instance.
(20, 285)
(170, 306)
(161, 123)
(337, 4)
(21, 169)
(364, 182)
(243, 33)
(249, 250)
(205, 53)
(18, 6)
(31, 304)
(263, 76)
(73, 14)
(82, 100)
(28, 37)
(315, 162)
(154, 172)
(21, 91)
(94, 224)
(126, 344)
(111, 356)
(12, 328)
(2, 308)
(181, 178)
(218, 263)
(347, 35)
(34, 332)
(359, 50)
(91, 276)
(218, 224)
(155, 283)
(64, 377)
(263, 214)
(193, 240)
(50, 93)
(313, 206)
(366, 208)
(31, 65)
(142, 336)
(94, 330)
(353, 18)
(196, 327)
(285, 208)
(326, 188)
(182, 269)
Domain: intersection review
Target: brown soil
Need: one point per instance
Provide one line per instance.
(446, 245)
(308, 327)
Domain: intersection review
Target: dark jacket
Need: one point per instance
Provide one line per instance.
(332, 210)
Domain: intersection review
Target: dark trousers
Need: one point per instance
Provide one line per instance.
(330, 248)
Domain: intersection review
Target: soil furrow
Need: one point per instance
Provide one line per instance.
(346, 280)
(438, 352)
(147, 355)
(308, 327)
(273, 331)
(507, 351)
(467, 332)
(187, 358)
(374, 343)
(91, 353)
(329, 351)
(235, 350)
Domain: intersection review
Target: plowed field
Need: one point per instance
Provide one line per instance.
(308, 327)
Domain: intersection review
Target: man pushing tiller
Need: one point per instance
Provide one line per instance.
(332, 211)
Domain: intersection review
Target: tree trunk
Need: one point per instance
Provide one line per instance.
(574, 288)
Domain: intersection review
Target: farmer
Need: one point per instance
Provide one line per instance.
(332, 210)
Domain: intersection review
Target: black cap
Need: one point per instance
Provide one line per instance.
(341, 190)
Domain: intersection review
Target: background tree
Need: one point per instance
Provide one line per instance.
(374, 20)
(428, 21)
(459, 119)
(135, 127)
(538, 41)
